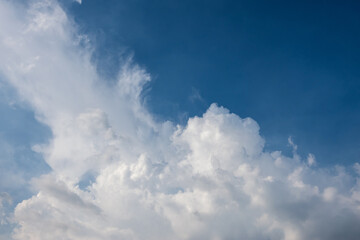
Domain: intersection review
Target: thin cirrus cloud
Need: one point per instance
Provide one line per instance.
(116, 173)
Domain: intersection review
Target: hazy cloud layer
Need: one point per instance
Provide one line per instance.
(118, 174)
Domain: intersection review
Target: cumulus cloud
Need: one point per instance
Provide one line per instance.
(118, 174)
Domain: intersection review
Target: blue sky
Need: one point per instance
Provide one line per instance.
(108, 126)
(292, 66)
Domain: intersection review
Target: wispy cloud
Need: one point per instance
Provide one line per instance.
(209, 179)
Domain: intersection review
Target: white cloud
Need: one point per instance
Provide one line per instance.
(210, 179)
(311, 160)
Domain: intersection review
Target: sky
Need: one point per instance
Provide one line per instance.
(179, 119)
(292, 66)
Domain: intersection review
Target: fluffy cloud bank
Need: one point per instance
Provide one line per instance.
(118, 174)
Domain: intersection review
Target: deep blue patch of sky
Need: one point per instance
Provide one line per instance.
(293, 66)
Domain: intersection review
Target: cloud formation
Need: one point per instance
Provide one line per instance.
(118, 174)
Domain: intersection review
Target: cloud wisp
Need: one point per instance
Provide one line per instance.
(118, 174)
